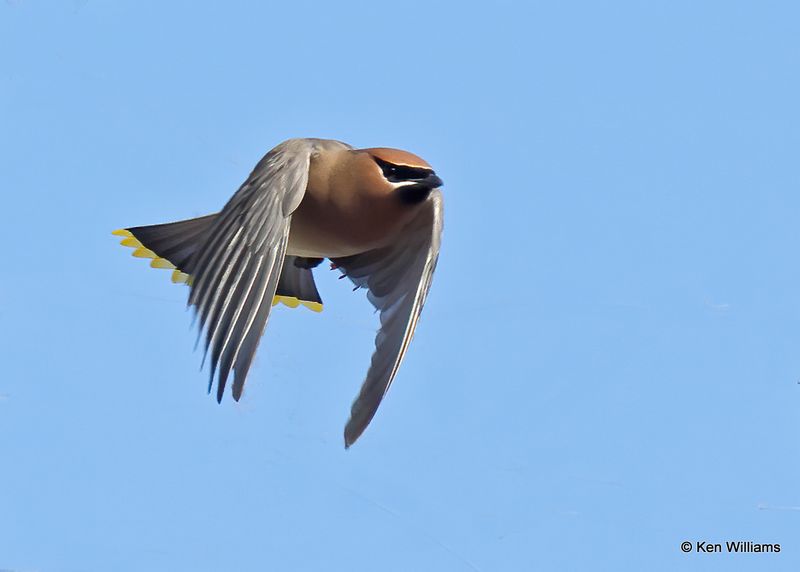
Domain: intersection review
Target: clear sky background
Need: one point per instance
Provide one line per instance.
(609, 359)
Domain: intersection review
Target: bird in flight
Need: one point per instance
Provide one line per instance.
(375, 213)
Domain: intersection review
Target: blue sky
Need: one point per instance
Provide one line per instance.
(608, 362)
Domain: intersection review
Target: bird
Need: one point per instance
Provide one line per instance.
(375, 213)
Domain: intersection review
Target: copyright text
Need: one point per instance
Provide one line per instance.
(730, 547)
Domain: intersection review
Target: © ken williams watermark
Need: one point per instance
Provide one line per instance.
(729, 547)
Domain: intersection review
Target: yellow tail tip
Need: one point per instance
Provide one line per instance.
(143, 252)
(313, 306)
(294, 302)
(122, 232)
(179, 277)
(162, 263)
(131, 242)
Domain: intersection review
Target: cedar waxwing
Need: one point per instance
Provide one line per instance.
(375, 213)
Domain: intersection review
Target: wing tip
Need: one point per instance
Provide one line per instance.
(238, 389)
(124, 232)
(352, 433)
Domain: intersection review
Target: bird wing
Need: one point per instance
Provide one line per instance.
(236, 270)
(398, 278)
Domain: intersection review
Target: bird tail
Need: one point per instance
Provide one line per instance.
(296, 286)
(173, 246)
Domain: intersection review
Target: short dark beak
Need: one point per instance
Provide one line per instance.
(418, 189)
(432, 181)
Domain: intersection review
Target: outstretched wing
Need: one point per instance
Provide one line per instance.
(398, 278)
(236, 271)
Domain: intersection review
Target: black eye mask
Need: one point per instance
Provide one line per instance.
(401, 173)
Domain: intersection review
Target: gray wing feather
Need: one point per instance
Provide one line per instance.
(398, 278)
(236, 271)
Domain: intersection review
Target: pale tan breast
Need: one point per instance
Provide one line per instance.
(348, 207)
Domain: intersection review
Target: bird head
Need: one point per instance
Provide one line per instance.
(412, 177)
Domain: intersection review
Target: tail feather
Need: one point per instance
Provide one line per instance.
(296, 286)
(173, 246)
(175, 242)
